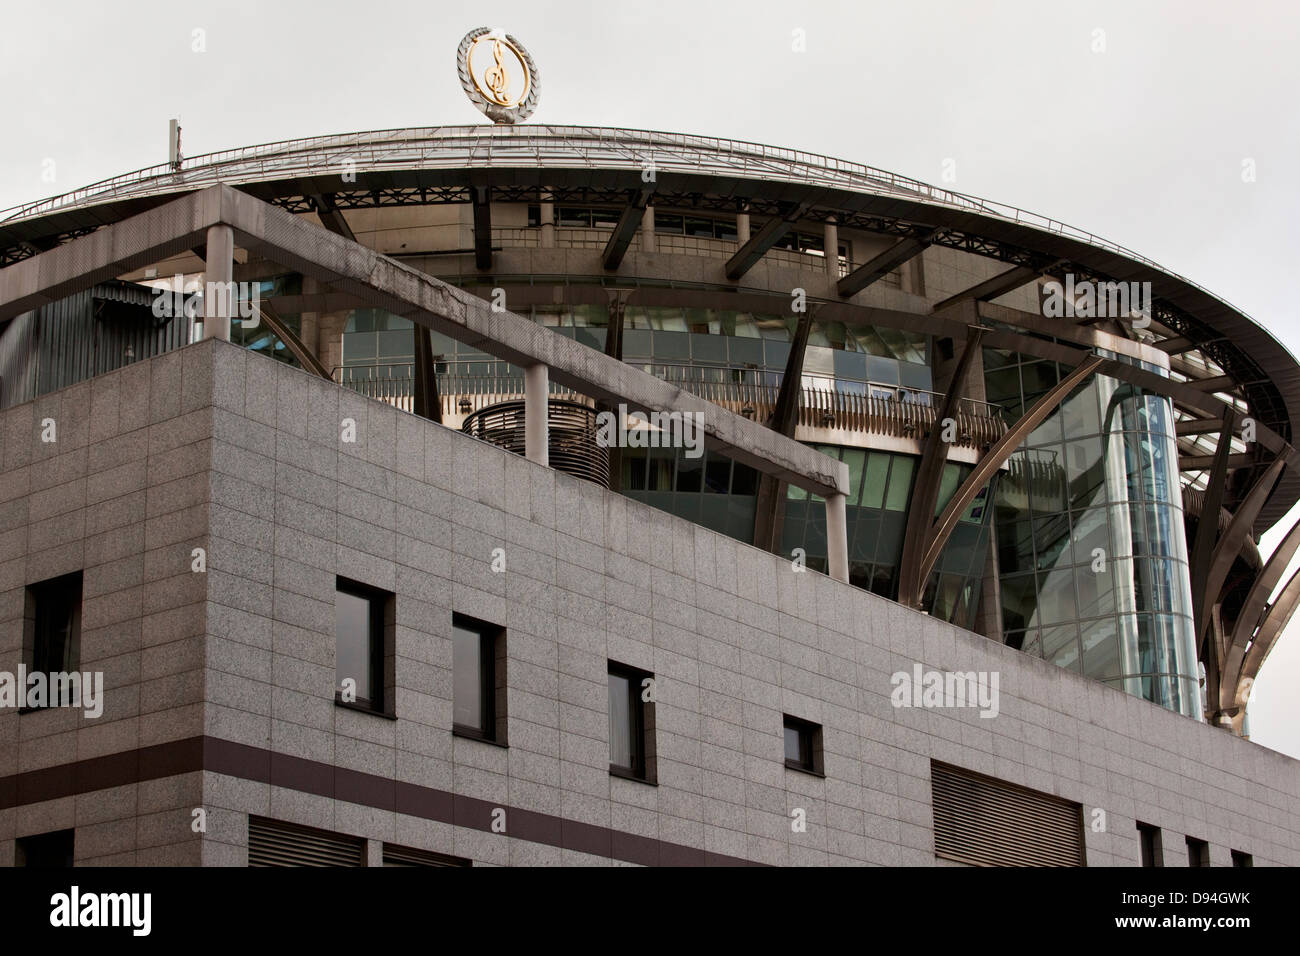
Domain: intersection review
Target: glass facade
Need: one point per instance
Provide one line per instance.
(880, 489)
(1092, 551)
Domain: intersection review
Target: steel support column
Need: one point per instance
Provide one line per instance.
(481, 197)
(1207, 529)
(929, 474)
(427, 403)
(769, 504)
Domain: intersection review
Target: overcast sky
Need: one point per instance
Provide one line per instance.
(1131, 120)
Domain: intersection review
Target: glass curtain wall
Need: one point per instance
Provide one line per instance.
(1091, 547)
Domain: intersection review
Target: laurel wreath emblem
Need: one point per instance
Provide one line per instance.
(494, 111)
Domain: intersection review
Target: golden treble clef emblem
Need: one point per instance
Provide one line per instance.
(498, 81)
(498, 75)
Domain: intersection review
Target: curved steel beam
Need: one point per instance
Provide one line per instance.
(1256, 608)
(939, 532)
(294, 344)
(929, 475)
(1275, 621)
(1207, 532)
(1230, 542)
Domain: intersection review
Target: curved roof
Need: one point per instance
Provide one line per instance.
(439, 164)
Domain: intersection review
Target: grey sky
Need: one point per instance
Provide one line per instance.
(1142, 144)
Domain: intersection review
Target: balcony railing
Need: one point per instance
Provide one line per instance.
(838, 404)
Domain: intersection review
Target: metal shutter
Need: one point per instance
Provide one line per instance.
(406, 856)
(988, 822)
(272, 843)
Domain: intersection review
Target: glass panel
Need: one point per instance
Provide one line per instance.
(900, 484)
(467, 674)
(621, 749)
(352, 636)
(793, 744)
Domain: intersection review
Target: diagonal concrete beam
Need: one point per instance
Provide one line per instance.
(382, 282)
(748, 255)
(331, 217)
(998, 285)
(628, 224)
(881, 265)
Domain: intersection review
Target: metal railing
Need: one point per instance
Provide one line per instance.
(571, 435)
(865, 407)
(448, 147)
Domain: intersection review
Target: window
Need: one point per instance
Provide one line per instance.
(363, 632)
(1152, 851)
(1198, 852)
(631, 723)
(803, 745)
(46, 851)
(1242, 859)
(478, 679)
(52, 632)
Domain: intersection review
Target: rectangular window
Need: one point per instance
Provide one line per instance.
(46, 851)
(1152, 848)
(803, 745)
(52, 627)
(1198, 852)
(363, 632)
(631, 723)
(478, 678)
(1242, 859)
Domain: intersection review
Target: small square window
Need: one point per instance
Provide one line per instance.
(52, 628)
(46, 851)
(1198, 852)
(631, 723)
(1242, 859)
(363, 632)
(1152, 849)
(478, 679)
(803, 745)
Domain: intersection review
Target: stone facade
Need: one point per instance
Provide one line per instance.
(220, 685)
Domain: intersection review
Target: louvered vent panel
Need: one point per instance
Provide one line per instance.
(272, 843)
(987, 822)
(406, 856)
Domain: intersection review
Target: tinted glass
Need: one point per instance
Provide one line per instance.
(467, 676)
(622, 750)
(352, 634)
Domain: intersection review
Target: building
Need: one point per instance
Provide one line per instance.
(373, 587)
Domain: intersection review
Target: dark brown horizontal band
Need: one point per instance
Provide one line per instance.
(214, 755)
